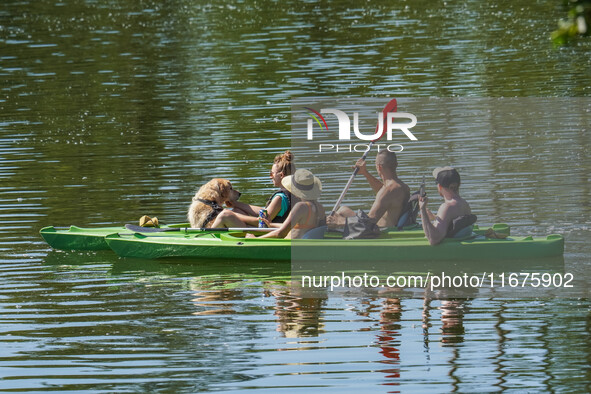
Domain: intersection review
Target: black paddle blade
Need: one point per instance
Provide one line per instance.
(140, 229)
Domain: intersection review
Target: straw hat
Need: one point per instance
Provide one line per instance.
(303, 184)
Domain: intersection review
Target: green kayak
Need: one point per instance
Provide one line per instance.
(78, 238)
(233, 246)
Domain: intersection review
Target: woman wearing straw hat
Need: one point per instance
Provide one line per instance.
(306, 214)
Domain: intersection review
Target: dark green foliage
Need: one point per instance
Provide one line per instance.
(577, 23)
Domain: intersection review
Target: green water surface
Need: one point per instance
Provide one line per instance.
(112, 109)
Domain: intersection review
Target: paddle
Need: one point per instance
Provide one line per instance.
(390, 107)
(140, 229)
(422, 192)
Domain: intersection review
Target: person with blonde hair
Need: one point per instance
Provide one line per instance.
(278, 205)
(307, 214)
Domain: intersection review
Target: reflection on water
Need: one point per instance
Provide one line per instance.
(170, 326)
(297, 317)
(111, 110)
(452, 313)
(390, 318)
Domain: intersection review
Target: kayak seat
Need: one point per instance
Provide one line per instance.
(316, 233)
(403, 219)
(465, 232)
(460, 224)
(411, 210)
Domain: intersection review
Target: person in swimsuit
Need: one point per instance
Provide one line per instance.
(278, 205)
(307, 213)
(454, 206)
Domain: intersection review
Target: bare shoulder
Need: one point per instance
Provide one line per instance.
(396, 190)
(299, 207)
(454, 208)
(444, 210)
(461, 205)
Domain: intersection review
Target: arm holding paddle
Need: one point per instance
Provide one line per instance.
(430, 216)
(338, 218)
(423, 196)
(374, 182)
(427, 216)
(390, 107)
(436, 229)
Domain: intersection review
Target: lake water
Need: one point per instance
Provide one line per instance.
(110, 110)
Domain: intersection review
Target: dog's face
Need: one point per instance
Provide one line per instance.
(218, 190)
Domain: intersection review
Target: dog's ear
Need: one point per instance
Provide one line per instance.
(227, 189)
(223, 188)
(220, 189)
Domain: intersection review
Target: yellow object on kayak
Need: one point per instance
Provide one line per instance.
(490, 233)
(146, 221)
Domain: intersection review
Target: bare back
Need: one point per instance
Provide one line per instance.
(306, 216)
(390, 202)
(451, 209)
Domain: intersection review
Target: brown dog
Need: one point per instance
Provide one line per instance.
(207, 202)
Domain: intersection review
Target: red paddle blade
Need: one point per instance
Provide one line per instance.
(390, 107)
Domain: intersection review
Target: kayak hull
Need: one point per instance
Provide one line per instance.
(236, 247)
(78, 238)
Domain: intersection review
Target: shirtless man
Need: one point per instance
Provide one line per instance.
(391, 193)
(454, 206)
